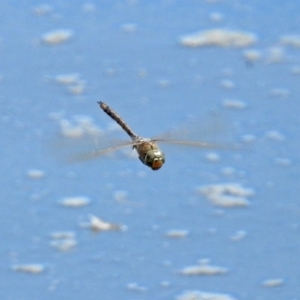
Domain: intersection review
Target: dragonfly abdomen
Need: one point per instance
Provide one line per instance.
(118, 119)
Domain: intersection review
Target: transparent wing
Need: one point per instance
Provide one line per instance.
(80, 139)
(200, 144)
(187, 143)
(208, 132)
(75, 150)
(99, 152)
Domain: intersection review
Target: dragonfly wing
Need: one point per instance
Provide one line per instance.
(99, 152)
(212, 127)
(191, 143)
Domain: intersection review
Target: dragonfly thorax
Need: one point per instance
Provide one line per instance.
(149, 153)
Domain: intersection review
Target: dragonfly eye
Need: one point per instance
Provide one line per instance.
(157, 164)
(154, 159)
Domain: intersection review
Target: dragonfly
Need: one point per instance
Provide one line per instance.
(147, 149)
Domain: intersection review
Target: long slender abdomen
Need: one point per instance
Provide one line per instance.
(117, 118)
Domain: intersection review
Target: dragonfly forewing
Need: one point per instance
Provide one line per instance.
(191, 143)
(98, 152)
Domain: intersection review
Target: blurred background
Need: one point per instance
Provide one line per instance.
(217, 223)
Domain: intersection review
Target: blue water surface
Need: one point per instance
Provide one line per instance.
(128, 54)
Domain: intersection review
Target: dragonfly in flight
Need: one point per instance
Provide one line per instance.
(147, 148)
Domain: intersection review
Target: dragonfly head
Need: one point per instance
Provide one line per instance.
(154, 159)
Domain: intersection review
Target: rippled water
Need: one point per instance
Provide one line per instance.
(211, 224)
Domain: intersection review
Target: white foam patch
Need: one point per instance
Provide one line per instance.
(29, 268)
(219, 38)
(57, 37)
(97, 225)
(177, 233)
(199, 295)
(203, 268)
(274, 282)
(76, 201)
(35, 174)
(227, 194)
